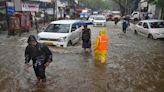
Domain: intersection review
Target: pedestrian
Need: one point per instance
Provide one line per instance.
(86, 38)
(100, 47)
(124, 25)
(40, 55)
(116, 21)
(147, 16)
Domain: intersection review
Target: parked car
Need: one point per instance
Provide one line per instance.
(150, 28)
(135, 16)
(99, 20)
(61, 33)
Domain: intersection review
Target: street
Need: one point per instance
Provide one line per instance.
(135, 64)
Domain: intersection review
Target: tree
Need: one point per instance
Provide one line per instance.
(126, 6)
(159, 3)
(96, 4)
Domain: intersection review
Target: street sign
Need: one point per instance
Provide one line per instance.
(48, 1)
(10, 8)
(30, 7)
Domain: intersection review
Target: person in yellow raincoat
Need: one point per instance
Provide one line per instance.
(100, 47)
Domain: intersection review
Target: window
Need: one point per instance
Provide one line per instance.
(73, 28)
(145, 25)
(135, 13)
(100, 18)
(140, 23)
(58, 28)
(157, 24)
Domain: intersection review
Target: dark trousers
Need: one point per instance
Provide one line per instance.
(40, 71)
(124, 29)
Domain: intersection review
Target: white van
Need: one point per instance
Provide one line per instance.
(135, 16)
(61, 33)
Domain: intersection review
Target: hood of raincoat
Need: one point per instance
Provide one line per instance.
(31, 38)
(102, 32)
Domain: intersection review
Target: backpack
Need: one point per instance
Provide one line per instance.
(125, 23)
(86, 35)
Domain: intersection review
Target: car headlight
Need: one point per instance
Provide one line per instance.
(62, 39)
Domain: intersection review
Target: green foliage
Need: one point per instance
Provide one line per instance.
(160, 3)
(97, 4)
(125, 5)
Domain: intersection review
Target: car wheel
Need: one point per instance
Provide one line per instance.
(69, 43)
(150, 36)
(135, 32)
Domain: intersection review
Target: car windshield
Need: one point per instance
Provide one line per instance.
(99, 18)
(58, 28)
(157, 24)
(91, 16)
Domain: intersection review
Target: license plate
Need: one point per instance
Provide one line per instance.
(48, 43)
(99, 24)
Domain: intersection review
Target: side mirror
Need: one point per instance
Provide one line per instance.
(42, 29)
(73, 29)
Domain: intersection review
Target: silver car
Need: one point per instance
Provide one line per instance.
(150, 28)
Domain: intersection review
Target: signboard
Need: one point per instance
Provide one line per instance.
(30, 7)
(10, 8)
(17, 4)
(43, 0)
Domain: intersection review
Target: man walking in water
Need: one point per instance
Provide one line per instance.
(40, 55)
(100, 47)
(125, 25)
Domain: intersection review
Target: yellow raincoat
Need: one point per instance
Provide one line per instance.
(100, 54)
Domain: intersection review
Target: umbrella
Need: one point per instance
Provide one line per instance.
(116, 16)
(83, 23)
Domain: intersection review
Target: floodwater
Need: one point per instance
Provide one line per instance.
(135, 64)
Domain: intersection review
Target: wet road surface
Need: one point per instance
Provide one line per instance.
(135, 64)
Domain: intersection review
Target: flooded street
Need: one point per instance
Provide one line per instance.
(134, 64)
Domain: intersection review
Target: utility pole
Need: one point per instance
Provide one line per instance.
(56, 9)
(126, 7)
(54, 2)
(44, 12)
(86, 3)
(7, 19)
(53, 5)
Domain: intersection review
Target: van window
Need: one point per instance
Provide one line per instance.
(73, 28)
(135, 13)
(157, 24)
(99, 18)
(145, 25)
(58, 28)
